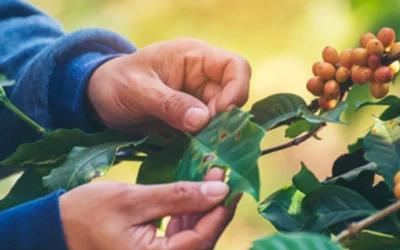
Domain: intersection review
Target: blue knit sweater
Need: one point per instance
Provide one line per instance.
(51, 69)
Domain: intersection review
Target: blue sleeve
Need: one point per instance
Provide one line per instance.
(51, 69)
(35, 225)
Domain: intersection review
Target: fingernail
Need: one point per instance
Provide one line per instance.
(194, 117)
(215, 189)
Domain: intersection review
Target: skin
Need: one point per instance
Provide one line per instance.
(176, 84)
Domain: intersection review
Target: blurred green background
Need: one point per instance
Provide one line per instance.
(280, 38)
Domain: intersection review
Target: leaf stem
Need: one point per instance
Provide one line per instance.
(389, 58)
(295, 141)
(39, 129)
(355, 228)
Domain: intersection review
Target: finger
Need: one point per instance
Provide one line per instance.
(233, 72)
(174, 226)
(215, 174)
(235, 84)
(178, 109)
(156, 201)
(203, 236)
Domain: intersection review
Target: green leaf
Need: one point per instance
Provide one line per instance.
(161, 166)
(83, 164)
(353, 174)
(382, 146)
(359, 144)
(390, 113)
(305, 181)
(57, 145)
(231, 142)
(329, 205)
(28, 187)
(389, 100)
(332, 115)
(276, 108)
(370, 240)
(295, 241)
(299, 127)
(283, 209)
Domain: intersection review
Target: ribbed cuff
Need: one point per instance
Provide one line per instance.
(33, 225)
(68, 85)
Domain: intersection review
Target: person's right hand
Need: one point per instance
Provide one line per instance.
(117, 216)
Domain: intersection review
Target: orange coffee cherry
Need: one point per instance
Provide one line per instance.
(374, 61)
(315, 68)
(375, 47)
(326, 71)
(331, 89)
(383, 74)
(330, 55)
(316, 86)
(326, 104)
(359, 56)
(387, 36)
(345, 58)
(379, 90)
(342, 74)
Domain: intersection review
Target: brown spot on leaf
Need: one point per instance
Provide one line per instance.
(223, 136)
(96, 174)
(374, 131)
(208, 157)
(237, 135)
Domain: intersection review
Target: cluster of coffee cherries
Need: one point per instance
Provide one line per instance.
(359, 66)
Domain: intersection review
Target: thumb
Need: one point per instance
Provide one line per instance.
(180, 110)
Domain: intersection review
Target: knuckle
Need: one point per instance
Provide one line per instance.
(172, 103)
(125, 195)
(183, 190)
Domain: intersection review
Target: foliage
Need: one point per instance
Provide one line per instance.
(308, 212)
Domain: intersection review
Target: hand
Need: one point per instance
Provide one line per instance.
(110, 215)
(181, 82)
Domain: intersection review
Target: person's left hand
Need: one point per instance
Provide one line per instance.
(181, 82)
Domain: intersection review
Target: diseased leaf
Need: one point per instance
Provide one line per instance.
(231, 142)
(305, 181)
(274, 109)
(57, 145)
(389, 100)
(283, 210)
(332, 115)
(299, 127)
(371, 240)
(382, 146)
(332, 204)
(161, 166)
(84, 164)
(295, 241)
(28, 187)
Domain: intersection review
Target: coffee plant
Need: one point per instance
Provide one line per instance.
(349, 210)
